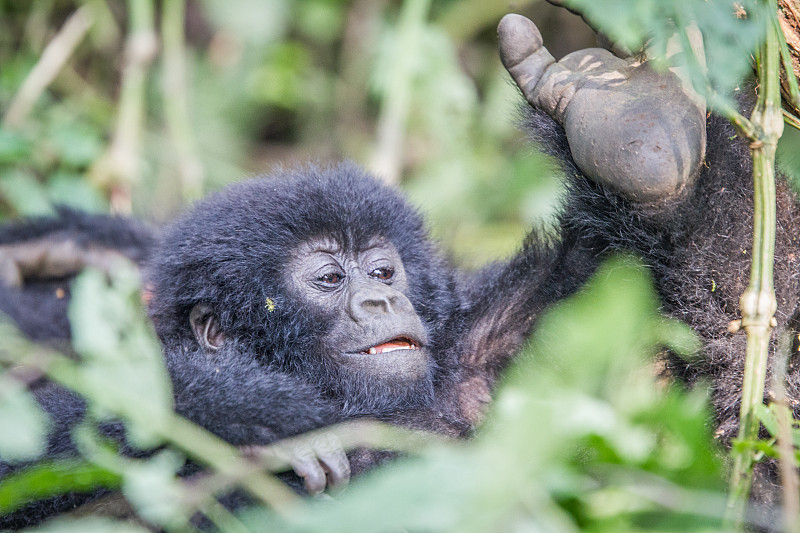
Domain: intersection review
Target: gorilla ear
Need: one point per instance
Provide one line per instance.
(205, 327)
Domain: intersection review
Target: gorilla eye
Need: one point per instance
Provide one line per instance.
(382, 274)
(331, 278)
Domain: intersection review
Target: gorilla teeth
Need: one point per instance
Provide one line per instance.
(393, 345)
(392, 349)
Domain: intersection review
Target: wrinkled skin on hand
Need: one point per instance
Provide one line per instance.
(630, 128)
(317, 458)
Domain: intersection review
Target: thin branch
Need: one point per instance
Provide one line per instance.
(386, 161)
(758, 303)
(118, 168)
(175, 92)
(55, 55)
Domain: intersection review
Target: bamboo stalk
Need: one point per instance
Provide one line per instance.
(175, 93)
(758, 303)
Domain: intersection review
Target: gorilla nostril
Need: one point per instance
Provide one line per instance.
(378, 306)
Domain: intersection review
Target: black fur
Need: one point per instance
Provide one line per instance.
(231, 253)
(39, 308)
(699, 250)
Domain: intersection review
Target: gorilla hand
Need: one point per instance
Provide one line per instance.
(630, 128)
(318, 458)
(53, 257)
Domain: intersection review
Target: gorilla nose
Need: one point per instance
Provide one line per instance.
(371, 303)
(379, 306)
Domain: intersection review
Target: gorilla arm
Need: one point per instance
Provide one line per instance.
(242, 403)
(655, 187)
(632, 130)
(689, 217)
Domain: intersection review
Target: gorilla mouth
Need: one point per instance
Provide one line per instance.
(399, 343)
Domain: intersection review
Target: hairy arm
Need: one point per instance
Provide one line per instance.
(692, 224)
(241, 401)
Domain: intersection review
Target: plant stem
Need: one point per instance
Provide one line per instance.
(55, 55)
(175, 92)
(224, 458)
(118, 169)
(386, 161)
(758, 303)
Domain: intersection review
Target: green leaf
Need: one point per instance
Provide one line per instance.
(23, 425)
(51, 479)
(768, 416)
(74, 190)
(76, 145)
(14, 147)
(282, 78)
(320, 19)
(123, 372)
(153, 488)
(22, 190)
(729, 38)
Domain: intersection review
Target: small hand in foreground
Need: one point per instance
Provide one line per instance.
(318, 458)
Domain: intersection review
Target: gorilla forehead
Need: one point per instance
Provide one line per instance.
(273, 214)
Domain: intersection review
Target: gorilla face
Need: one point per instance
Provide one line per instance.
(375, 350)
(375, 328)
(371, 348)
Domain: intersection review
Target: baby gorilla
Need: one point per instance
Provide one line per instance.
(292, 302)
(323, 278)
(295, 301)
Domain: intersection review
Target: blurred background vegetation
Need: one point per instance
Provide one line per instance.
(413, 90)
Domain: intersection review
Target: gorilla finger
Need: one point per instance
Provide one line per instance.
(333, 458)
(546, 85)
(523, 54)
(305, 464)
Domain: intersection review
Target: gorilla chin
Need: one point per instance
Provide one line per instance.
(404, 364)
(382, 382)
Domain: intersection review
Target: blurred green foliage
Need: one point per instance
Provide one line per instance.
(581, 437)
(280, 81)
